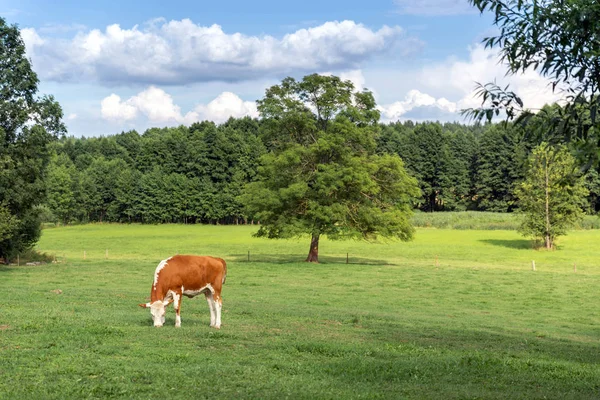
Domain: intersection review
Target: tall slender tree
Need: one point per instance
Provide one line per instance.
(552, 195)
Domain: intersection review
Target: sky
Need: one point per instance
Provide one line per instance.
(131, 64)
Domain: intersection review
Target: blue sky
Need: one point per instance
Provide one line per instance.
(131, 64)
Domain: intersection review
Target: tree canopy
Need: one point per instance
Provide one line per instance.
(552, 195)
(322, 175)
(28, 123)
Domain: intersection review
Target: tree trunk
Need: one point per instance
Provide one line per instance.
(548, 241)
(313, 253)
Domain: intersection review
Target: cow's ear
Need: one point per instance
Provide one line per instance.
(144, 305)
(166, 303)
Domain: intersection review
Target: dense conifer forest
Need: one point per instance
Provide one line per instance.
(196, 174)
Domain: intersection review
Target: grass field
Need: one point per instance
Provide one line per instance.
(390, 324)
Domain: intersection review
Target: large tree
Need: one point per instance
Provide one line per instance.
(552, 195)
(322, 175)
(27, 124)
(561, 40)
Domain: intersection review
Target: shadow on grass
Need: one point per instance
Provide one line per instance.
(495, 343)
(297, 258)
(511, 244)
(465, 364)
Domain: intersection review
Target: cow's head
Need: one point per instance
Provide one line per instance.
(157, 310)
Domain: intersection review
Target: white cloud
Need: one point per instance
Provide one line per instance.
(153, 103)
(413, 100)
(226, 105)
(157, 107)
(114, 109)
(181, 52)
(439, 91)
(436, 92)
(454, 77)
(31, 38)
(434, 7)
(483, 67)
(71, 117)
(356, 77)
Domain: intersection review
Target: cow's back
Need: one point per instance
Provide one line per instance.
(193, 272)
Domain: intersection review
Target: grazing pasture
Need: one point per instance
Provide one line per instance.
(392, 323)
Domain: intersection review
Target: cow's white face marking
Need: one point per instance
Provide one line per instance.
(157, 310)
(159, 268)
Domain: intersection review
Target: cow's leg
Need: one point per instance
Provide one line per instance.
(177, 305)
(211, 307)
(218, 301)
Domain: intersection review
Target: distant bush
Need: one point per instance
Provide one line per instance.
(32, 255)
(483, 220)
(589, 222)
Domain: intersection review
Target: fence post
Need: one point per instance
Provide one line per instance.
(346, 258)
(533, 265)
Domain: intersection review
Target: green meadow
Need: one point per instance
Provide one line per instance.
(454, 314)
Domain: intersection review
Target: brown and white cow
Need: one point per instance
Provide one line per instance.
(188, 276)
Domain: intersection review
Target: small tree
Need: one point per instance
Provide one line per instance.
(321, 175)
(552, 196)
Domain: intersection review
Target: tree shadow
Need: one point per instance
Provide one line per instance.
(494, 342)
(522, 244)
(297, 258)
(492, 361)
(354, 260)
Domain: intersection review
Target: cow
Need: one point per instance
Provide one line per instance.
(189, 276)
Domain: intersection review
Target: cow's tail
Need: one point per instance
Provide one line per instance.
(224, 270)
